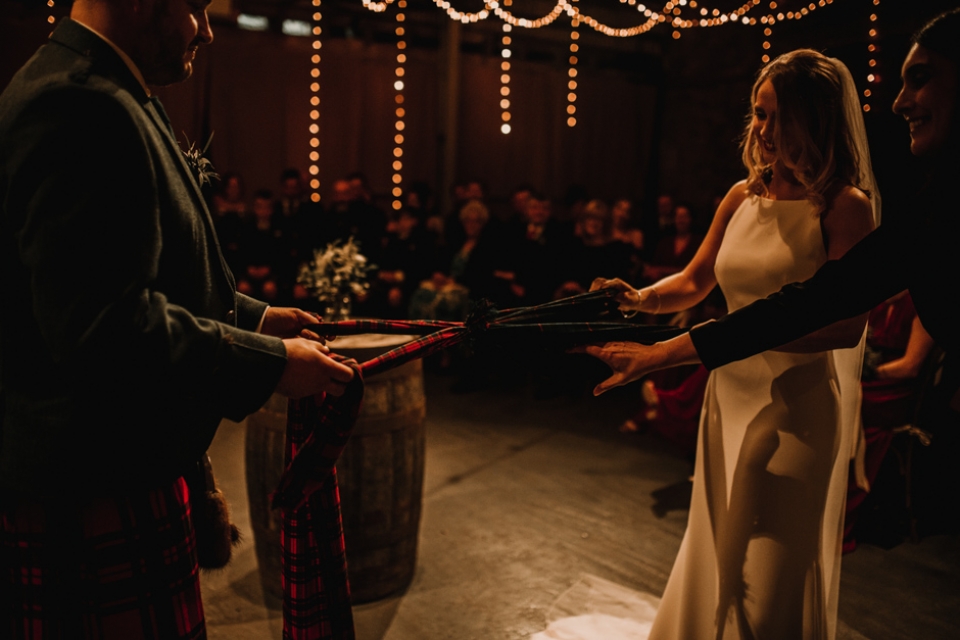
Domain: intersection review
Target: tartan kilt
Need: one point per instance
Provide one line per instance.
(114, 568)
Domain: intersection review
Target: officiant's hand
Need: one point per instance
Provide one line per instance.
(627, 297)
(289, 322)
(630, 361)
(310, 370)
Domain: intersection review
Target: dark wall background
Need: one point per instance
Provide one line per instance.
(664, 116)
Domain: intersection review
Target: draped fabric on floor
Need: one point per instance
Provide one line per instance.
(316, 595)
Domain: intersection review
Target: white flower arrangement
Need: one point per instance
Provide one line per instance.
(335, 276)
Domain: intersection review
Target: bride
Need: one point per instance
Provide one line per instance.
(761, 554)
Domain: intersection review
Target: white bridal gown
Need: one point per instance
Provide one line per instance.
(760, 558)
(761, 554)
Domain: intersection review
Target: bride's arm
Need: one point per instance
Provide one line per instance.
(848, 220)
(686, 288)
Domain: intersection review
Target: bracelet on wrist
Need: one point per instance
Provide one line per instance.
(651, 291)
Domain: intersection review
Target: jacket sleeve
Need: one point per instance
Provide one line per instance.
(249, 312)
(864, 277)
(82, 189)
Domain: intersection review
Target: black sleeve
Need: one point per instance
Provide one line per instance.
(865, 276)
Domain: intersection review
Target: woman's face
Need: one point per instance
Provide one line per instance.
(928, 99)
(473, 224)
(592, 226)
(764, 121)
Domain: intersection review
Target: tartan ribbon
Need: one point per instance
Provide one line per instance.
(316, 588)
(588, 318)
(323, 426)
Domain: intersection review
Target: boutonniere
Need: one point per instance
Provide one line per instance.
(202, 168)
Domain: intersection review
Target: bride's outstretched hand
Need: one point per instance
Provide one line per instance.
(627, 296)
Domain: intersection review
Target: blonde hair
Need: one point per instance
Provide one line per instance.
(811, 132)
(597, 208)
(477, 208)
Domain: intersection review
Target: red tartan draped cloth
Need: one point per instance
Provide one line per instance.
(316, 592)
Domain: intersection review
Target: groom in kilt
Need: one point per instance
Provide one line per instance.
(123, 340)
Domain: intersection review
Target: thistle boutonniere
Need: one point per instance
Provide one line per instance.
(202, 168)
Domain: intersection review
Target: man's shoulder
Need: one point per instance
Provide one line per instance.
(57, 75)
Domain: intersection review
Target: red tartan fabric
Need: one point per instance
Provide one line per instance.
(559, 324)
(316, 593)
(113, 569)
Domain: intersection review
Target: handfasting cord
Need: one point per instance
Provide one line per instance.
(587, 318)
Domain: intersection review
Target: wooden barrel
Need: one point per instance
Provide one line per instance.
(265, 445)
(380, 475)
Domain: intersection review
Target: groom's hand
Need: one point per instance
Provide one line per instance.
(311, 370)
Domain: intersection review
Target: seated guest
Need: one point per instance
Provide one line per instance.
(229, 209)
(443, 296)
(491, 271)
(624, 227)
(593, 252)
(262, 251)
(295, 218)
(543, 247)
(675, 250)
(626, 230)
(897, 348)
(446, 226)
(230, 197)
(418, 198)
(350, 214)
(407, 257)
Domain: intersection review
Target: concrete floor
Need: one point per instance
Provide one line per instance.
(531, 505)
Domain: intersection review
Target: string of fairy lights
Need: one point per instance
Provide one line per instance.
(873, 75)
(572, 74)
(314, 128)
(678, 15)
(505, 41)
(398, 86)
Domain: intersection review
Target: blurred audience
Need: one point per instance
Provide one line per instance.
(262, 252)
(676, 249)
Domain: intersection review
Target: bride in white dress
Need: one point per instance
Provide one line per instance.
(761, 554)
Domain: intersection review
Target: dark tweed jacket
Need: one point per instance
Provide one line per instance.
(123, 341)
